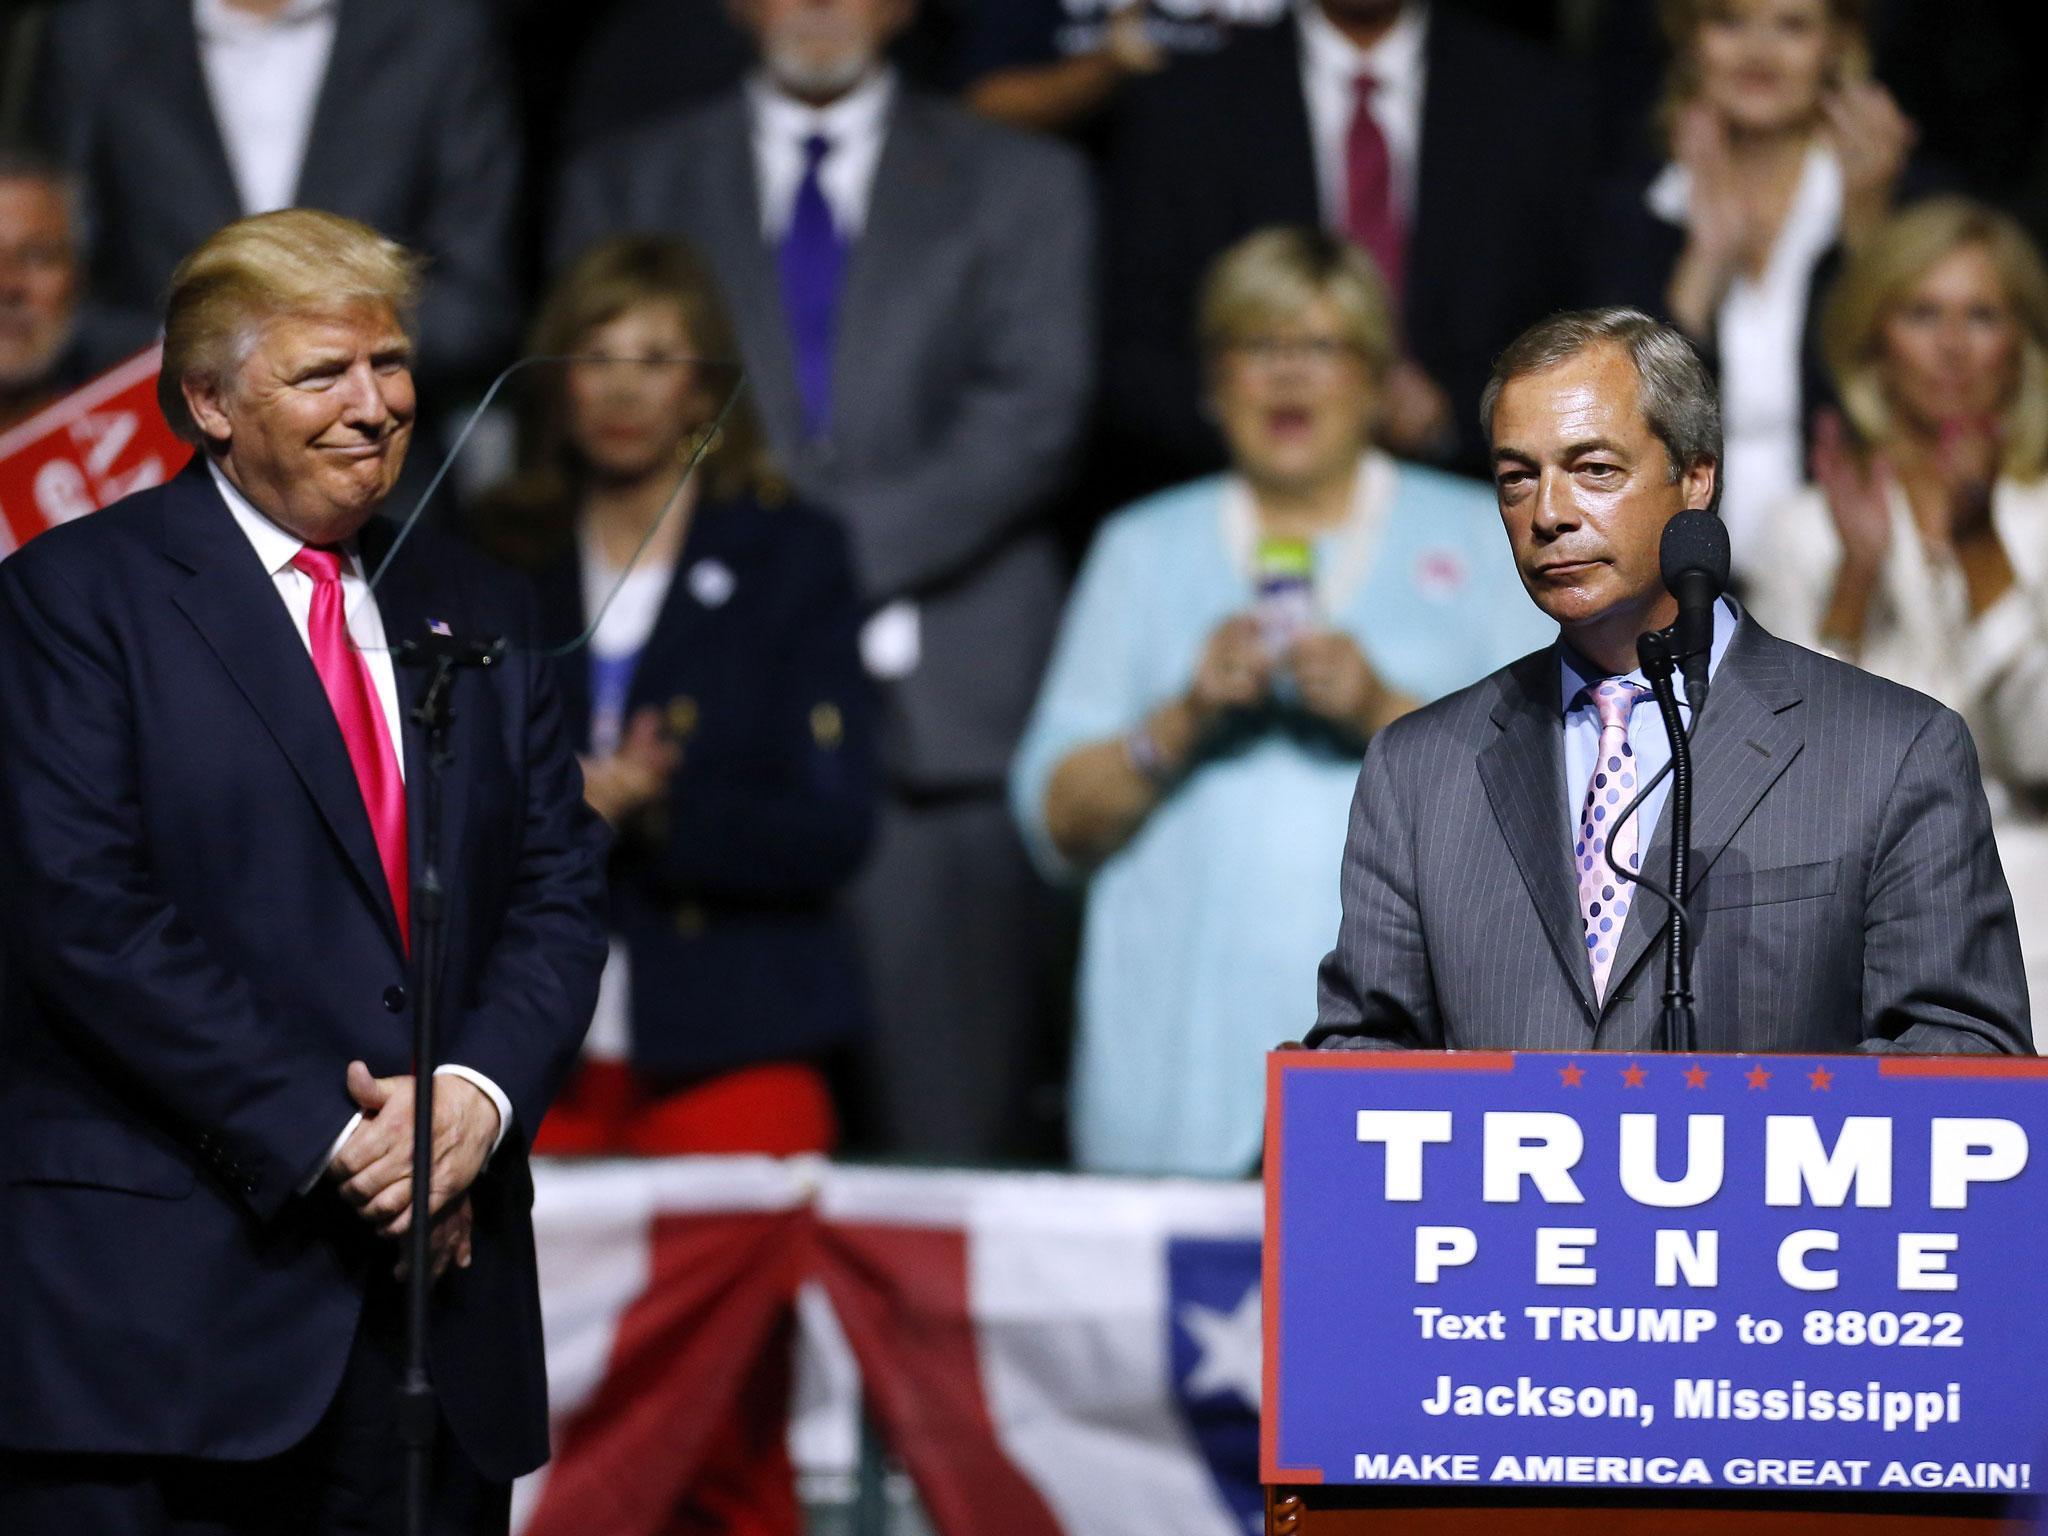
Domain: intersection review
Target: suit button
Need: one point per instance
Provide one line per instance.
(394, 999)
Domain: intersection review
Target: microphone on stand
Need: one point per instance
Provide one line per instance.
(1693, 558)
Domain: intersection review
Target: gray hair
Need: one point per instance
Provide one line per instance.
(1677, 395)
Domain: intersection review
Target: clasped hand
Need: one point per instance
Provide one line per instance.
(1331, 673)
(373, 1169)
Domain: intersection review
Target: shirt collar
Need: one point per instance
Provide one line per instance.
(273, 545)
(217, 18)
(1394, 60)
(1575, 673)
(860, 113)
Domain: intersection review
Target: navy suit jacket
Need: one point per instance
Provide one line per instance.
(200, 939)
(1215, 147)
(727, 893)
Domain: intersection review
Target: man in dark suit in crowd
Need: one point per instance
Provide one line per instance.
(40, 284)
(1845, 888)
(1435, 141)
(181, 115)
(911, 289)
(210, 818)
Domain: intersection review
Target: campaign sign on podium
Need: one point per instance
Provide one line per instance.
(1765, 1273)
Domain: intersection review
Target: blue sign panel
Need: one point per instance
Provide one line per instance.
(1758, 1273)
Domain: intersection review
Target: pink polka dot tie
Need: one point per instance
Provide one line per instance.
(1603, 899)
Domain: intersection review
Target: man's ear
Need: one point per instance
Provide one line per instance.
(1699, 483)
(205, 399)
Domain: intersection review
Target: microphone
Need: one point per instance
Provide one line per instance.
(1694, 561)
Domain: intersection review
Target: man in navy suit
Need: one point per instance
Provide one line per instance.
(210, 816)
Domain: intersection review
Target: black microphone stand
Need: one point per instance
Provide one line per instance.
(1679, 1029)
(440, 657)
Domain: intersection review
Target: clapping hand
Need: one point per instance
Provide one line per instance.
(1722, 220)
(1871, 138)
(1855, 492)
(1415, 413)
(1968, 456)
(635, 775)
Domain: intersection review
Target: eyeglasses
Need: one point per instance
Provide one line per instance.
(1320, 352)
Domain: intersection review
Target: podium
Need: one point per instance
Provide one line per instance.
(1535, 1292)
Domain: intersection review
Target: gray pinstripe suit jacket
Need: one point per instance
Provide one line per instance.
(1846, 889)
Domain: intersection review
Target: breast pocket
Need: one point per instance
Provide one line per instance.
(1763, 887)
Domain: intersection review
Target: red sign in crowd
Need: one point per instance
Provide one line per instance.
(94, 446)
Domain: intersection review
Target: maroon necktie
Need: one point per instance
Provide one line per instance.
(345, 675)
(1371, 217)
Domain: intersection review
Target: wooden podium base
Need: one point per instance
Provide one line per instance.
(1305, 1512)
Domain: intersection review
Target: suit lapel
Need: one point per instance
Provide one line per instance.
(1747, 737)
(1442, 191)
(363, 43)
(1523, 772)
(731, 232)
(909, 213)
(1278, 141)
(184, 95)
(233, 603)
(405, 605)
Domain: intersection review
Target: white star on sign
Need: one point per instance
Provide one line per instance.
(1231, 1344)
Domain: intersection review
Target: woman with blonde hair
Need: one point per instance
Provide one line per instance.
(1230, 646)
(1779, 154)
(1921, 550)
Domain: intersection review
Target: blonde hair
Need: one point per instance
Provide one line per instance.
(1903, 250)
(1276, 274)
(1682, 20)
(255, 269)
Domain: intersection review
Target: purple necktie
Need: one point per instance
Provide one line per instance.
(1603, 899)
(813, 262)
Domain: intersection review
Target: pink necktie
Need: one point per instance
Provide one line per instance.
(345, 674)
(1370, 215)
(1603, 900)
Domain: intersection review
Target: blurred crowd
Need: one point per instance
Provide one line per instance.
(977, 692)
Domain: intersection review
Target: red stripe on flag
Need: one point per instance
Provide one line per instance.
(719, 1295)
(901, 1295)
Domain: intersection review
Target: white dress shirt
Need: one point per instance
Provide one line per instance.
(276, 549)
(1330, 66)
(1760, 333)
(628, 604)
(263, 75)
(856, 124)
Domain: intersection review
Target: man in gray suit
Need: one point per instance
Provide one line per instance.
(1845, 889)
(911, 287)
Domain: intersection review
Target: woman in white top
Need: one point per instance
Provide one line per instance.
(1922, 550)
(1782, 154)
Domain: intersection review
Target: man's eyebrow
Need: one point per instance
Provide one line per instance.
(1517, 455)
(1595, 445)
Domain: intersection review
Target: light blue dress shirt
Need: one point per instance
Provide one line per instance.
(1646, 734)
(1202, 934)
